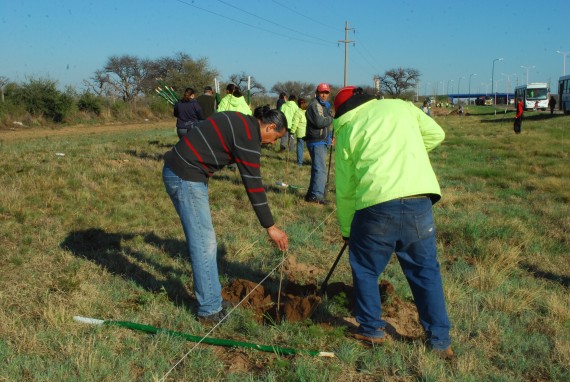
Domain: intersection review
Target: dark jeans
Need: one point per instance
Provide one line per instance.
(518, 125)
(318, 171)
(406, 227)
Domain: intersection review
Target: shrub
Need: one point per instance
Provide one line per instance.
(41, 98)
(120, 110)
(90, 103)
(160, 107)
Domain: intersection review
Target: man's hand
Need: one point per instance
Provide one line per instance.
(279, 237)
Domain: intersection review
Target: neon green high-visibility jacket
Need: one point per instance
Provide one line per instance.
(381, 154)
(299, 128)
(289, 108)
(233, 103)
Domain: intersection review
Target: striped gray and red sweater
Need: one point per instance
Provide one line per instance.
(224, 138)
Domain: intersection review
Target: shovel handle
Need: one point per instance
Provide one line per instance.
(324, 286)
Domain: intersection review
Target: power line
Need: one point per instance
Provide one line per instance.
(247, 24)
(289, 29)
(305, 16)
(374, 70)
(369, 54)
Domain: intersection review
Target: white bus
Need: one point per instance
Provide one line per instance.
(564, 94)
(534, 95)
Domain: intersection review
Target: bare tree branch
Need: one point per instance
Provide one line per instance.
(395, 82)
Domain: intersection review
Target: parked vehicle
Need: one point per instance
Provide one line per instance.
(564, 94)
(534, 95)
(484, 100)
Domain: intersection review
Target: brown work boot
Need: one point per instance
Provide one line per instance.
(446, 354)
(369, 340)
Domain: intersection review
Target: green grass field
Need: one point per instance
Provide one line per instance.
(93, 233)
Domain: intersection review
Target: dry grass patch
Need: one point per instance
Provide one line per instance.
(494, 268)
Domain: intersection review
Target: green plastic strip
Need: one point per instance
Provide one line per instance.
(216, 341)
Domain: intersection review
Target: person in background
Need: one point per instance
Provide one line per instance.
(284, 139)
(385, 188)
(518, 117)
(281, 100)
(234, 101)
(425, 108)
(207, 102)
(289, 108)
(224, 138)
(187, 112)
(317, 138)
(552, 104)
(299, 128)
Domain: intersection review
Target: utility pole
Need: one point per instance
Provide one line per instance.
(346, 42)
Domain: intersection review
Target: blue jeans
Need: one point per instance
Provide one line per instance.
(191, 202)
(300, 150)
(318, 171)
(406, 227)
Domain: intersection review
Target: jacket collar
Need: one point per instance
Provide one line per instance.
(351, 103)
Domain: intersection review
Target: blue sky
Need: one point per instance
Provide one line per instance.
(275, 40)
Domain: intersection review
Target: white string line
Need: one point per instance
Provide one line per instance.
(284, 254)
(239, 303)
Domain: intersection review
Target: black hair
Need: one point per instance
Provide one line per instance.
(268, 115)
(292, 97)
(188, 92)
(282, 95)
(233, 90)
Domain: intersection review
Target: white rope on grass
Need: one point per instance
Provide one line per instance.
(239, 303)
(284, 254)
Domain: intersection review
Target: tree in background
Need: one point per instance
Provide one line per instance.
(240, 80)
(126, 75)
(396, 82)
(300, 89)
(182, 71)
(99, 84)
(129, 77)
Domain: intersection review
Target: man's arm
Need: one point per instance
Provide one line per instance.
(316, 115)
(432, 133)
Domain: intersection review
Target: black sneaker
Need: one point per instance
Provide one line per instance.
(214, 318)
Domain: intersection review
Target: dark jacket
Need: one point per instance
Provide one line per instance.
(224, 138)
(208, 104)
(187, 113)
(319, 122)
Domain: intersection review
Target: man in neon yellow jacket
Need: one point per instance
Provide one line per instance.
(385, 188)
(299, 128)
(289, 108)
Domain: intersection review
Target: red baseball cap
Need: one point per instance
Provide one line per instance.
(323, 87)
(343, 95)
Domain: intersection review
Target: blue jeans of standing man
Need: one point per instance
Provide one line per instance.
(191, 202)
(406, 227)
(300, 151)
(318, 171)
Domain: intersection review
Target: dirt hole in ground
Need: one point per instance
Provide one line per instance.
(298, 301)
